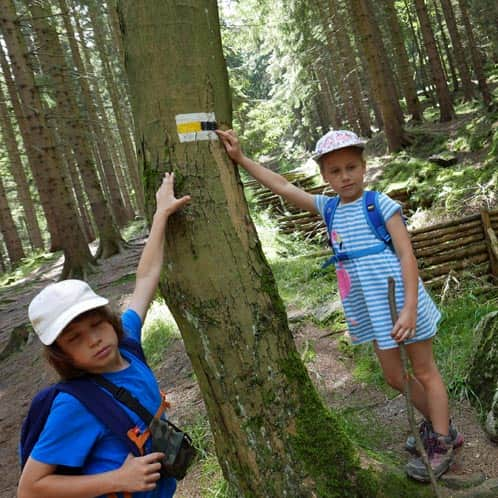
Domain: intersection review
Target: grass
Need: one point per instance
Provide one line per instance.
(26, 266)
(159, 332)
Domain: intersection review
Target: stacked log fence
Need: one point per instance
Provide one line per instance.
(444, 250)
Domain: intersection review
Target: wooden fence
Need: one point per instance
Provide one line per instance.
(442, 250)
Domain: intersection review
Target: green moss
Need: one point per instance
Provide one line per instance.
(323, 445)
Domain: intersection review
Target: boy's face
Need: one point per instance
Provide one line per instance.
(92, 343)
(344, 170)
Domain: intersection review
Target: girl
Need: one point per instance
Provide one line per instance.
(362, 284)
(82, 336)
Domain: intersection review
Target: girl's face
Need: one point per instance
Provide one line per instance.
(92, 343)
(344, 170)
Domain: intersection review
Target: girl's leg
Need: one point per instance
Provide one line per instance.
(426, 372)
(392, 367)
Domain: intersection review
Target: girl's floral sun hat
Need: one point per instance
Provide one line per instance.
(337, 139)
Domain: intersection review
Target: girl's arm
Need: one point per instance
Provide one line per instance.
(151, 260)
(136, 474)
(275, 182)
(404, 328)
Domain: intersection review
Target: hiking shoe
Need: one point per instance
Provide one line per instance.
(440, 455)
(425, 431)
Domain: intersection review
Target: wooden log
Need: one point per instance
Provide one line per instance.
(442, 232)
(463, 264)
(446, 244)
(445, 224)
(437, 282)
(455, 255)
(491, 242)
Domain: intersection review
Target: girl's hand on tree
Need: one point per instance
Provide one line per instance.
(405, 326)
(232, 145)
(166, 201)
(139, 473)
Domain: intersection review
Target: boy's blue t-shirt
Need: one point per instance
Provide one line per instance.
(72, 433)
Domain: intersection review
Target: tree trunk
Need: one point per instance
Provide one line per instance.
(8, 229)
(446, 112)
(425, 82)
(381, 80)
(339, 69)
(402, 62)
(273, 436)
(17, 171)
(117, 101)
(73, 128)
(458, 50)
(477, 59)
(347, 56)
(49, 170)
(99, 134)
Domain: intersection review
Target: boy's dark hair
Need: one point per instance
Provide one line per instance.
(61, 362)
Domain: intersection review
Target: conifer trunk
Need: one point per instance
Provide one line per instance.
(272, 434)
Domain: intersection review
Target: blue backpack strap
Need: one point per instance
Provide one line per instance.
(35, 421)
(329, 211)
(374, 216)
(134, 347)
(103, 406)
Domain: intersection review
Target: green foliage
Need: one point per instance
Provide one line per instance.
(454, 343)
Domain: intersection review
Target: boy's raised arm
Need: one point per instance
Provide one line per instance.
(275, 182)
(151, 260)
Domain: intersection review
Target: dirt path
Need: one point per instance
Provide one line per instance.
(23, 373)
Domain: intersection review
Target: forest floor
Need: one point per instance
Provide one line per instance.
(24, 372)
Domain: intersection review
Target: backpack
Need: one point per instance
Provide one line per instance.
(375, 219)
(95, 400)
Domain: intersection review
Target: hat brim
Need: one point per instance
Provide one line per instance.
(55, 330)
(359, 144)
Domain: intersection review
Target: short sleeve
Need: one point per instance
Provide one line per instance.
(388, 206)
(69, 425)
(320, 201)
(132, 324)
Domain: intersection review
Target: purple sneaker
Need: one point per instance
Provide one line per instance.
(440, 454)
(425, 431)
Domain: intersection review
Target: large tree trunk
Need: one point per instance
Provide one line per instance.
(348, 59)
(8, 229)
(216, 281)
(17, 171)
(99, 134)
(477, 59)
(446, 112)
(117, 101)
(402, 62)
(361, 12)
(73, 127)
(458, 49)
(49, 170)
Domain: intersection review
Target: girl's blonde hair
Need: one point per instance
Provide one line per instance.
(61, 362)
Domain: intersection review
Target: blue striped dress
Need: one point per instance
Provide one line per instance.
(363, 281)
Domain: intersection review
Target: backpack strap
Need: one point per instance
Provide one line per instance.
(374, 217)
(328, 212)
(375, 220)
(105, 408)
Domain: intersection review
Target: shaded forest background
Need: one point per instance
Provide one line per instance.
(68, 164)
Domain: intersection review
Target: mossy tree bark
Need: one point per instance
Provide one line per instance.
(272, 433)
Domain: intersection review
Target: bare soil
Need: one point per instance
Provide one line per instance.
(24, 372)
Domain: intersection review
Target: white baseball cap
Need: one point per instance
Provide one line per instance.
(337, 139)
(53, 308)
